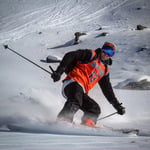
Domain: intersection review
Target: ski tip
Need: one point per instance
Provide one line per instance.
(5, 46)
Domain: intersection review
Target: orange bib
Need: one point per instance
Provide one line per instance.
(88, 74)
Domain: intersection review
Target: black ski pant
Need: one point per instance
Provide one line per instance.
(77, 99)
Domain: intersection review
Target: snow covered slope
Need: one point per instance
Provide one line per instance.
(40, 28)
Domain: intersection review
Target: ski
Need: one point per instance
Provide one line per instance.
(71, 129)
(124, 130)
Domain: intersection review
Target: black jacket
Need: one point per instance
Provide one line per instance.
(69, 61)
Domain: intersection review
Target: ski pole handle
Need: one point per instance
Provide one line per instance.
(51, 68)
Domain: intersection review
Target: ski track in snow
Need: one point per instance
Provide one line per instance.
(52, 16)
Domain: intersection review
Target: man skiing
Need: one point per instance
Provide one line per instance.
(85, 68)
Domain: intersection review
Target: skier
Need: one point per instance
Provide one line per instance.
(85, 68)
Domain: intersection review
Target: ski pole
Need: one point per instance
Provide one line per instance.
(6, 47)
(107, 116)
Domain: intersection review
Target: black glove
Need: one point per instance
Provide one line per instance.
(55, 76)
(120, 109)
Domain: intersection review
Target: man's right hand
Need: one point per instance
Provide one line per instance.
(55, 76)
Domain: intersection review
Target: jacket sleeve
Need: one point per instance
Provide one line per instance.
(108, 90)
(70, 59)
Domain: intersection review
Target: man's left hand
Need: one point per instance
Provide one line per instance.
(121, 110)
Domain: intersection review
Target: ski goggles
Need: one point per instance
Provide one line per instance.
(109, 52)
